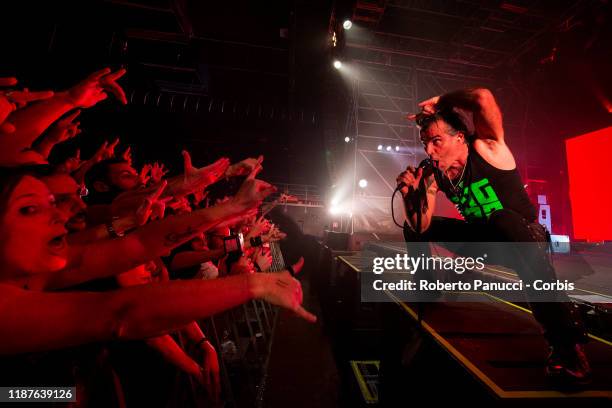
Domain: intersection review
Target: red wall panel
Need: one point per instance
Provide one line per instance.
(589, 162)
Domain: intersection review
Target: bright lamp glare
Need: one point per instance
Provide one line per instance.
(397, 148)
(363, 183)
(337, 64)
(347, 24)
(388, 148)
(380, 147)
(347, 139)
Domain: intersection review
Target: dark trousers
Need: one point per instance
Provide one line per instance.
(560, 319)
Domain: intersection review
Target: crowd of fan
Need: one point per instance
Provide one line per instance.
(97, 252)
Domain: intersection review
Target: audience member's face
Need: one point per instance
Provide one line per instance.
(123, 176)
(68, 200)
(216, 237)
(32, 230)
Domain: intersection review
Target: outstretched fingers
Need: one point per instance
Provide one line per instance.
(305, 314)
(187, 165)
(256, 169)
(297, 267)
(98, 74)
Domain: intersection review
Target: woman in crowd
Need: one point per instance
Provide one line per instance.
(34, 245)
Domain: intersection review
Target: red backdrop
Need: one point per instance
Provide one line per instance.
(589, 162)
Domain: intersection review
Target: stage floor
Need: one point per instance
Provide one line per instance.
(500, 343)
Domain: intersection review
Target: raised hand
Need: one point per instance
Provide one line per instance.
(65, 128)
(94, 88)
(72, 163)
(22, 98)
(281, 289)
(127, 155)
(153, 207)
(180, 205)
(252, 192)
(109, 83)
(195, 179)
(106, 151)
(238, 218)
(12, 100)
(243, 167)
(274, 235)
(258, 227)
(158, 171)
(428, 107)
(263, 259)
(144, 174)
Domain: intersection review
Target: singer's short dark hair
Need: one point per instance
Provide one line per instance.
(452, 118)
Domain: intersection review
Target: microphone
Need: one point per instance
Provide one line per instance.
(426, 165)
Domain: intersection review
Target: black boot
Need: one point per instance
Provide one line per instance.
(568, 364)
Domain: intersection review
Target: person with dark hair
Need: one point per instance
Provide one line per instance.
(478, 174)
(109, 178)
(34, 248)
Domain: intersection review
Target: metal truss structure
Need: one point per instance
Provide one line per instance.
(405, 51)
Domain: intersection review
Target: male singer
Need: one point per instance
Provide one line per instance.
(478, 173)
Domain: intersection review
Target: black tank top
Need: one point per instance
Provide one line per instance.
(485, 189)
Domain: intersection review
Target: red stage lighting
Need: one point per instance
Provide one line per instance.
(589, 165)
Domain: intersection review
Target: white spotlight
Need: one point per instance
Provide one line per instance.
(388, 148)
(337, 64)
(397, 148)
(363, 183)
(379, 147)
(347, 139)
(347, 24)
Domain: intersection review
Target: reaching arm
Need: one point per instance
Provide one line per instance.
(481, 102)
(210, 363)
(31, 121)
(61, 131)
(111, 257)
(190, 258)
(174, 354)
(114, 256)
(33, 321)
(100, 231)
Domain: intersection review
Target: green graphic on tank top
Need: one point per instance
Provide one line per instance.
(482, 198)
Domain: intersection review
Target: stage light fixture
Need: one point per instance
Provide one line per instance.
(347, 24)
(363, 183)
(337, 64)
(388, 148)
(380, 147)
(347, 139)
(397, 148)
